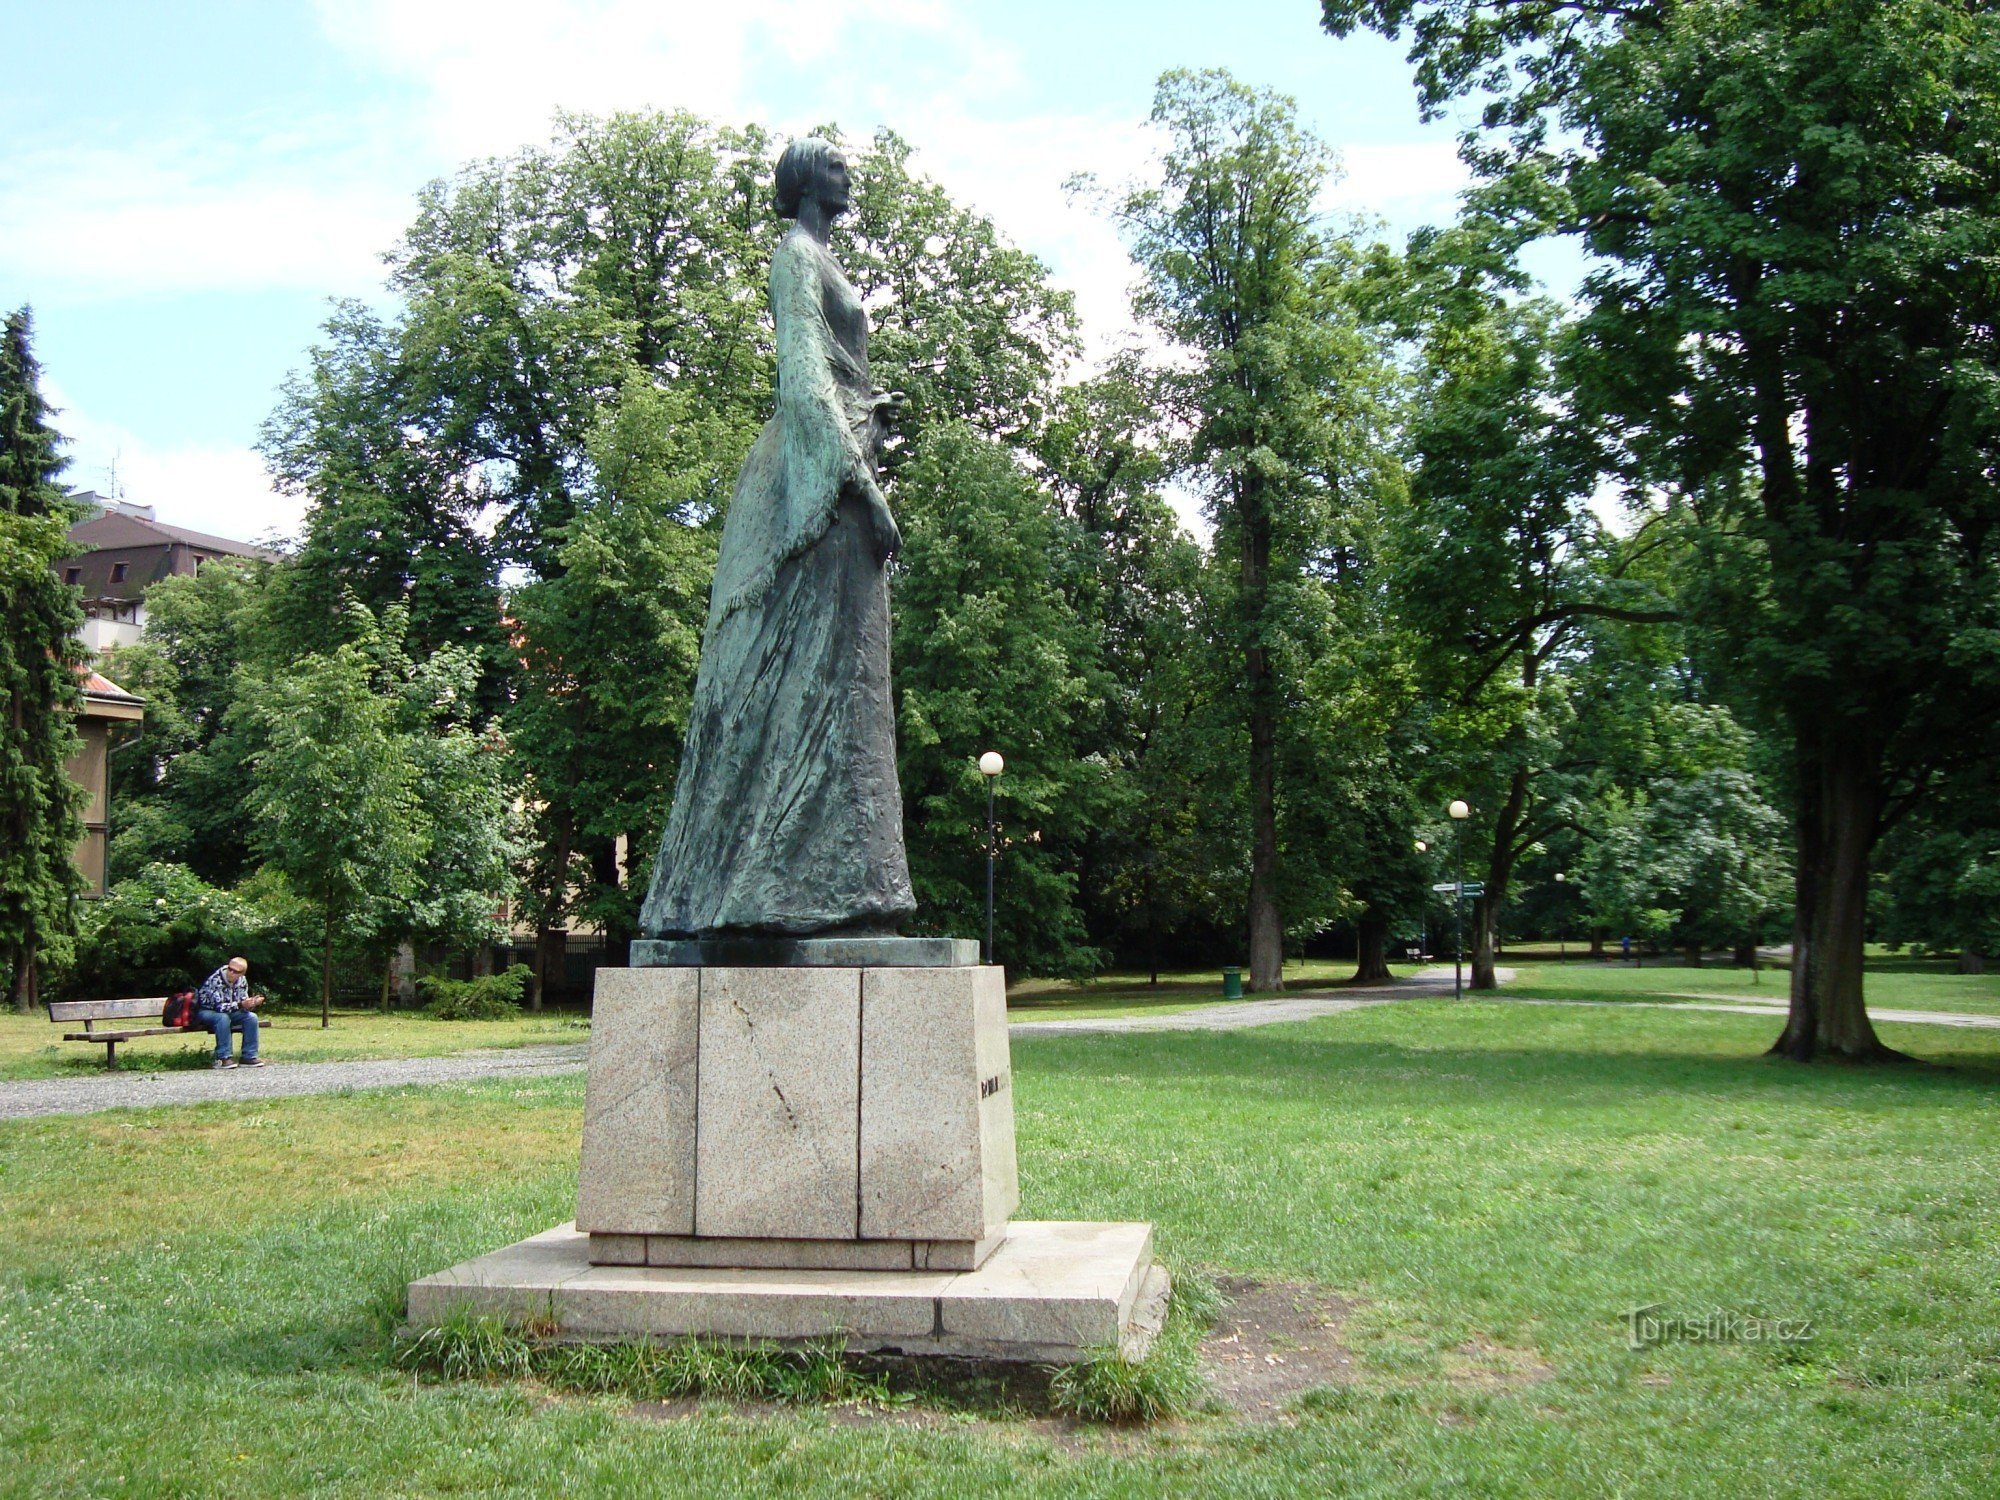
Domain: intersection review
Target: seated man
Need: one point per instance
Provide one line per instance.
(224, 1004)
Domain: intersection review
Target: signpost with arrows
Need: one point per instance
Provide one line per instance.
(1460, 891)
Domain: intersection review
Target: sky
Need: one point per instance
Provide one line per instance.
(186, 185)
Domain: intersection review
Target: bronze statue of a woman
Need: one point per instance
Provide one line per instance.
(787, 816)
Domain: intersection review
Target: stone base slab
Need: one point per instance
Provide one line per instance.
(805, 953)
(1051, 1293)
(791, 1255)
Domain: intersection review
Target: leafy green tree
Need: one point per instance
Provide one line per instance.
(1792, 328)
(336, 803)
(1498, 562)
(40, 817)
(1240, 275)
(966, 325)
(179, 791)
(1133, 578)
(1699, 862)
(608, 649)
(990, 655)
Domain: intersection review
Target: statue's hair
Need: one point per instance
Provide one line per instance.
(803, 160)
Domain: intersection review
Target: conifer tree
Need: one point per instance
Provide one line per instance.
(39, 692)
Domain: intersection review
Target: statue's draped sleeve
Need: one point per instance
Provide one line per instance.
(809, 454)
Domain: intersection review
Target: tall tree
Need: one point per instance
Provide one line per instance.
(1239, 273)
(1797, 214)
(40, 655)
(1498, 561)
(990, 655)
(336, 805)
(179, 793)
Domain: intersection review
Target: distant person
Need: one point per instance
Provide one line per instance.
(223, 1005)
(1625, 946)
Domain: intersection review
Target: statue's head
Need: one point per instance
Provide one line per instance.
(812, 171)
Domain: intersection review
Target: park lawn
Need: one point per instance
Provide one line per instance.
(197, 1300)
(1892, 983)
(32, 1047)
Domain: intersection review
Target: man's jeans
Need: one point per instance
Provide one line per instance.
(222, 1021)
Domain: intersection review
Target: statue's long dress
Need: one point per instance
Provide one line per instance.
(787, 816)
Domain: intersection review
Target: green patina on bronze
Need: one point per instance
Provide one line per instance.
(787, 815)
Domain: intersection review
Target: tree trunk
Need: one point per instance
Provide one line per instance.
(619, 930)
(1745, 956)
(1499, 871)
(1839, 817)
(1371, 951)
(388, 978)
(27, 981)
(1267, 934)
(1597, 942)
(551, 945)
(1971, 961)
(326, 975)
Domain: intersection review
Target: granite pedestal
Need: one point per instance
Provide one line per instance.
(806, 1149)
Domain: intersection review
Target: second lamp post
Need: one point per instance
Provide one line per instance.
(991, 765)
(1459, 813)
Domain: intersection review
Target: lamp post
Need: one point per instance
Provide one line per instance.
(1424, 939)
(1562, 948)
(990, 766)
(1459, 813)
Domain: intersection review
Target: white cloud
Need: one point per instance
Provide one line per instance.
(265, 208)
(216, 489)
(494, 71)
(1407, 182)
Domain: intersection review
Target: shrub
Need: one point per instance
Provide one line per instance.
(490, 997)
(166, 926)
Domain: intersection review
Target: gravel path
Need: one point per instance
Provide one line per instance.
(1235, 1015)
(82, 1096)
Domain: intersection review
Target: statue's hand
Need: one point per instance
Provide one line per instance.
(888, 535)
(882, 528)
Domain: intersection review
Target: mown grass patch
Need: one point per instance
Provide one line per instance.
(32, 1047)
(194, 1312)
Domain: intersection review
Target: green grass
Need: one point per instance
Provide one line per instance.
(200, 1301)
(32, 1047)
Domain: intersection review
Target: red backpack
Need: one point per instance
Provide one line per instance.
(179, 1012)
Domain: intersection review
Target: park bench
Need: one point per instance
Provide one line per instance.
(90, 1012)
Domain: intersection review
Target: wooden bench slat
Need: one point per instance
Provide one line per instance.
(123, 1036)
(105, 1010)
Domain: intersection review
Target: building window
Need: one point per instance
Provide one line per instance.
(71, 575)
(118, 572)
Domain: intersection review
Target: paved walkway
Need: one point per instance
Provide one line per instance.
(123, 1090)
(120, 1090)
(1235, 1015)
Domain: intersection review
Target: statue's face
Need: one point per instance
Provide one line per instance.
(833, 188)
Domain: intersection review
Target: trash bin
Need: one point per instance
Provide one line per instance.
(1232, 984)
